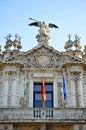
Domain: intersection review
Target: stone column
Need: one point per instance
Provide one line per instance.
(30, 92)
(5, 96)
(80, 90)
(73, 98)
(55, 91)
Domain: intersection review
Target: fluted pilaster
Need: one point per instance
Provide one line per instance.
(73, 99)
(80, 90)
(5, 95)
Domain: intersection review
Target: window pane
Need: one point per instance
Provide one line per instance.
(48, 103)
(38, 104)
(49, 96)
(49, 87)
(37, 87)
(38, 96)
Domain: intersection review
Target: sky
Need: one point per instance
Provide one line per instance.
(69, 15)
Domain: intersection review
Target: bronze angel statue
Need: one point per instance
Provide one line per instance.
(44, 31)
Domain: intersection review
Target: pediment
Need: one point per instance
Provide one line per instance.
(43, 56)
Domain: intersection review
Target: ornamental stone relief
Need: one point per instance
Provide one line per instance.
(42, 57)
(6, 127)
(43, 60)
(10, 75)
(23, 101)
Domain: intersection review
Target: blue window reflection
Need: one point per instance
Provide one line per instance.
(38, 95)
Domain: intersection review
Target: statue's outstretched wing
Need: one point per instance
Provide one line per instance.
(34, 24)
(52, 25)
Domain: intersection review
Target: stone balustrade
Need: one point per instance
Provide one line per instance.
(43, 114)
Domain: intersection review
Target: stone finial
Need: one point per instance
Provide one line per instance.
(84, 49)
(8, 42)
(77, 43)
(19, 46)
(69, 43)
(0, 49)
(17, 42)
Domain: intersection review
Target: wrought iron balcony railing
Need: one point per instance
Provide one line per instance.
(42, 114)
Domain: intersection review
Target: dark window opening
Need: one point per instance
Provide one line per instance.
(37, 95)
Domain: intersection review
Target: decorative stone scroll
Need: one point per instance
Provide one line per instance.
(23, 101)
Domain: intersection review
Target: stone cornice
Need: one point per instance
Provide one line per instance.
(43, 56)
(42, 46)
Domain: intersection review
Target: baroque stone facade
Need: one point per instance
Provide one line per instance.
(19, 71)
